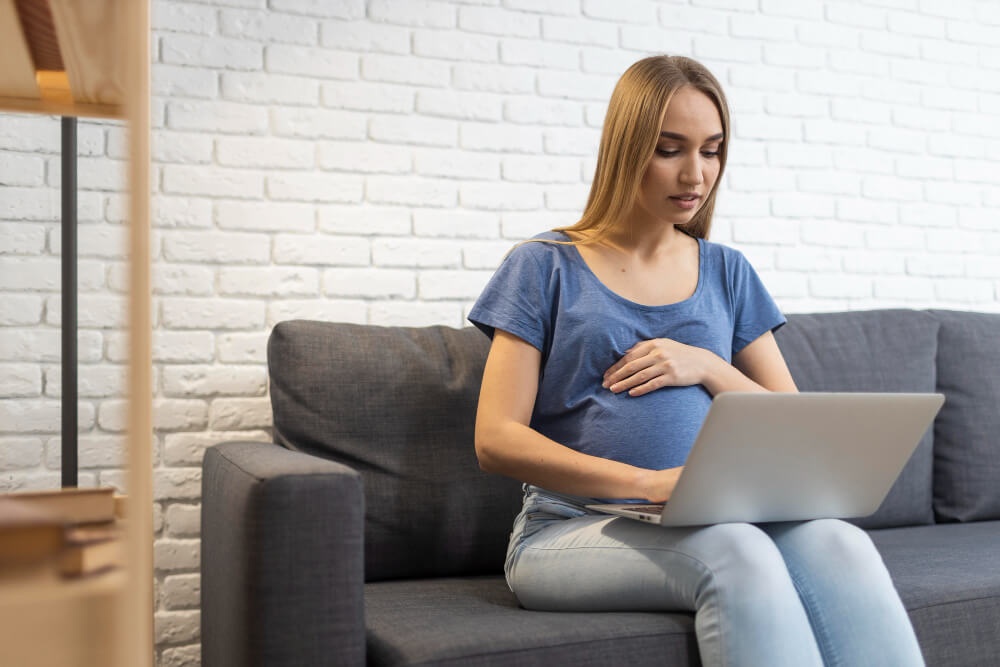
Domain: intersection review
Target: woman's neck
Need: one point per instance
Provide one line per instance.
(648, 240)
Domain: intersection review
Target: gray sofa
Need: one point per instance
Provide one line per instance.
(368, 535)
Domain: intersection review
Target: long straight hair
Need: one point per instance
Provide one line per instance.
(631, 131)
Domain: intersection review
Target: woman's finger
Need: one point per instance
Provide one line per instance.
(637, 351)
(647, 387)
(628, 371)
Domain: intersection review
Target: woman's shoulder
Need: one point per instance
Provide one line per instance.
(551, 235)
(549, 239)
(547, 247)
(726, 263)
(726, 255)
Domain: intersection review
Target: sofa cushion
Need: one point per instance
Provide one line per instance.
(948, 577)
(872, 351)
(398, 405)
(476, 622)
(967, 431)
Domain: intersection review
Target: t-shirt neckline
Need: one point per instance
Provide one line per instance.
(577, 257)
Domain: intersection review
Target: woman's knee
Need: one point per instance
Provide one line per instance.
(744, 554)
(836, 538)
(741, 540)
(746, 574)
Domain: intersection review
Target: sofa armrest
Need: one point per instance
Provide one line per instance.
(282, 563)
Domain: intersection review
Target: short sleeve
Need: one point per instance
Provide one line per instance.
(756, 313)
(518, 298)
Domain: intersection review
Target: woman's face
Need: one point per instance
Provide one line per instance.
(685, 164)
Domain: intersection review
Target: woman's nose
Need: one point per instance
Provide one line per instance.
(691, 172)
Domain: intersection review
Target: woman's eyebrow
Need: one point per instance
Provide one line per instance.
(681, 137)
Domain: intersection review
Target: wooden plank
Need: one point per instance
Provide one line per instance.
(137, 649)
(89, 42)
(17, 70)
(48, 107)
(74, 628)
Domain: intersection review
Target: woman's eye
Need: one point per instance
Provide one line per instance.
(672, 152)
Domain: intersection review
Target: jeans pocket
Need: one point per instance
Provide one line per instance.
(547, 506)
(542, 509)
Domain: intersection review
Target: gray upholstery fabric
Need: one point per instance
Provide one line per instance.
(283, 531)
(959, 635)
(398, 405)
(281, 561)
(476, 622)
(948, 576)
(873, 351)
(967, 431)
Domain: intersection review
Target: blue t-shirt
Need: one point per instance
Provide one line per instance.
(545, 294)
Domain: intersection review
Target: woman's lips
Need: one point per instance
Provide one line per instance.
(686, 202)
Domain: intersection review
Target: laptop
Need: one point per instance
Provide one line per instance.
(762, 457)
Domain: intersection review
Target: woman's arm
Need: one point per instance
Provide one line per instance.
(762, 362)
(653, 364)
(506, 444)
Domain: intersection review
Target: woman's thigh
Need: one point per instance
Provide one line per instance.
(600, 563)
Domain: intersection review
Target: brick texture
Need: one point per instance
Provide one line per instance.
(372, 160)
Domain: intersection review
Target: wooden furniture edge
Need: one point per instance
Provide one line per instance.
(138, 609)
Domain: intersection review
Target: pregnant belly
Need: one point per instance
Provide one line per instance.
(654, 431)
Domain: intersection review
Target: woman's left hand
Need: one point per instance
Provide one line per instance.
(657, 363)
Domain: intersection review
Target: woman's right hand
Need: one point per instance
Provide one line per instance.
(658, 485)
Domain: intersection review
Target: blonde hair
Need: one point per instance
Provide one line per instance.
(631, 131)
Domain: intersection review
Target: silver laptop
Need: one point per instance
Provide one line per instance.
(763, 457)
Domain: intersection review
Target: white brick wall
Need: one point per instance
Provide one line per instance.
(372, 161)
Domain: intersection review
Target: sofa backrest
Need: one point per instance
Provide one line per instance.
(872, 351)
(967, 430)
(955, 473)
(398, 405)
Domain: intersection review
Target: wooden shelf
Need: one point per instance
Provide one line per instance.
(61, 57)
(57, 107)
(90, 58)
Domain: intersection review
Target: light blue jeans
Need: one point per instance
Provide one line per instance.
(795, 594)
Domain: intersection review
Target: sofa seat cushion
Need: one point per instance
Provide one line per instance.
(872, 351)
(948, 577)
(476, 621)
